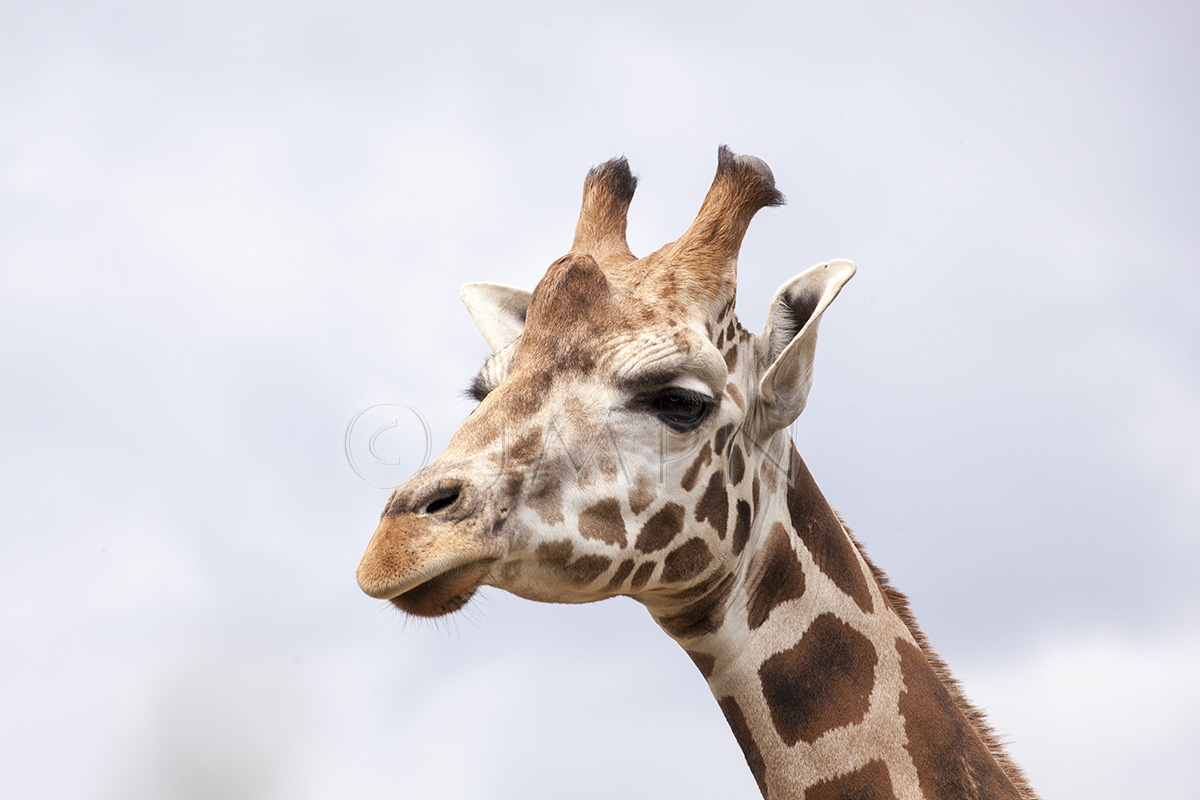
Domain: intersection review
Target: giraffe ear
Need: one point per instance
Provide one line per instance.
(791, 339)
(498, 311)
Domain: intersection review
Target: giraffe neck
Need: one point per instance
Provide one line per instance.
(827, 684)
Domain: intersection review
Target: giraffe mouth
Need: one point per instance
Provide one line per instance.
(445, 592)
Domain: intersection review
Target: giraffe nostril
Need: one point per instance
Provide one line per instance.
(441, 501)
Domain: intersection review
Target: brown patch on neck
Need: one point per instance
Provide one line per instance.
(869, 782)
(696, 609)
(780, 577)
(703, 615)
(823, 535)
(823, 682)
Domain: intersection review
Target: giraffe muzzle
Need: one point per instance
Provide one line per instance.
(434, 546)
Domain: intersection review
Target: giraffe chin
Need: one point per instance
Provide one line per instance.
(445, 592)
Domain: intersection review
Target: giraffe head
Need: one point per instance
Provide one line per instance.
(625, 420)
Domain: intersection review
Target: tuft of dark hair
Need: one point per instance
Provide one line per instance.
(616, 175)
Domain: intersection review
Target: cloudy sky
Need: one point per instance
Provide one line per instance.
(229, 229)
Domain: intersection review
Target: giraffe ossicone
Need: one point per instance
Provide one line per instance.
(631, 438)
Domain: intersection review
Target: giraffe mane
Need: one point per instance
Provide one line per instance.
(975, 716)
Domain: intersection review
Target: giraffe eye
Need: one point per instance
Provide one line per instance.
(679, 409)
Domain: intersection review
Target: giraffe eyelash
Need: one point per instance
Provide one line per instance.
(480, 388)
(680, 409)
(491, 374)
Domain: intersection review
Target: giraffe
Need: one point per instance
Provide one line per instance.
(632, 438)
